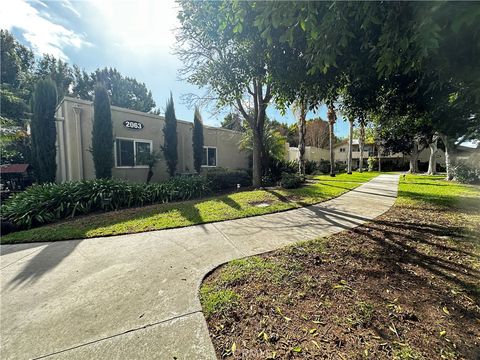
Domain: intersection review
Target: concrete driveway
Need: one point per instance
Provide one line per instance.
(135, 296)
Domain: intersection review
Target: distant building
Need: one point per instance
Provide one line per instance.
(135, 132)
(390, 160)
(15, 176)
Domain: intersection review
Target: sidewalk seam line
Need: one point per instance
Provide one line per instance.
(117, 335)
(23, 257)
(228, 239)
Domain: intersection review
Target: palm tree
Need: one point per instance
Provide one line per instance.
(361, 143)
(350, 143)
(432, 161)
(300, 112)
(332, 117)
(273, 142)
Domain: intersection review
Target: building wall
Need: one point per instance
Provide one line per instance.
(341, 154)
(74, 142)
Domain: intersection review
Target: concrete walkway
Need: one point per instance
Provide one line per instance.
(135, 296)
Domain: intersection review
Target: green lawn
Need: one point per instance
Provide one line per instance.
(434, 191)
(164, 216)
(402, 286)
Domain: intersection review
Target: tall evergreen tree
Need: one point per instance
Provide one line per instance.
(102, 134)
(43, 129)
(169, 147)
(197, 140)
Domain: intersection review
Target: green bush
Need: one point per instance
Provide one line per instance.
(291, 181)
(324, 166)
(41, 204)
(310, 167)
(372, 163)
(466, 173)
(276, 168)
(221, 179)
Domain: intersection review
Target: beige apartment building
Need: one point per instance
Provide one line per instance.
(371, 150)
(135, 132)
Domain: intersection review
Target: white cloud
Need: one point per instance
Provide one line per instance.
(68, 5)
(143, 28)
(44, 36)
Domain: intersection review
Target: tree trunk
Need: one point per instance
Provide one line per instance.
(448, 156)
(432, 161)
(361, 143)
(331, 121)
(149, 175)
(379, 154)
(301, 137)
(414, 158)
(257, 159)
(350, 141)
(256, 121)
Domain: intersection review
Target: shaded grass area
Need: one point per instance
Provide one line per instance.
(404, 286)
(172, 215)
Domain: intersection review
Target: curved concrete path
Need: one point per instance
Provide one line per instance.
(135, 296)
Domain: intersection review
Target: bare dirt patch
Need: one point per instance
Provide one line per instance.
(405, 286)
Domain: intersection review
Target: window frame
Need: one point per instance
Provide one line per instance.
(216, 156)
(135, 141)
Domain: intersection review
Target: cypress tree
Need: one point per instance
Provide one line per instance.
(102, 134)
(44, 133)
(169, 147)
(197, 140)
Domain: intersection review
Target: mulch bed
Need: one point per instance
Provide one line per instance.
(405, 286)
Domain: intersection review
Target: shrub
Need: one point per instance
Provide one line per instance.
(221, 179)
(44, 101)
(466, 173)
(310, 167)
(372, 163)
(102, 134)
(340, 167)
(291, 181)
(276, 168)
(324, 166)
(41, 204)
(197, 141)
(169, 147)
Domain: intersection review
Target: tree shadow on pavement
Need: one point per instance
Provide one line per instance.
(42, 262)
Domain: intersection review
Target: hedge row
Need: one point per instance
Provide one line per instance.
(41, 204)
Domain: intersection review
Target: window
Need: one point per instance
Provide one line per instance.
(209, 156)
(342, 149)
(128, 152)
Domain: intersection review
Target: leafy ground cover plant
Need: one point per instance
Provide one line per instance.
(41, 204)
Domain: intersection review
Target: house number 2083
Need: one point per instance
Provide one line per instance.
(134, 125)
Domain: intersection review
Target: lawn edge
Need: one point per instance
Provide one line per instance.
(183, 226)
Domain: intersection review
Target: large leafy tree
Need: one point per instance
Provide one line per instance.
(44, 133)
(16, 63)
(233, 121)
(228, 59)
(405, 53)
(169, 147)
(125, 91)
(57, 70)
(197, 140)
(102, 134)
(316, 133)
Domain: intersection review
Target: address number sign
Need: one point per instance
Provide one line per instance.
(133, 125)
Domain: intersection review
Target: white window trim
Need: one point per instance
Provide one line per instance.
(216, 156)
(134, 152)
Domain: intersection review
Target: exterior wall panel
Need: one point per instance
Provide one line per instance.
(78, 160)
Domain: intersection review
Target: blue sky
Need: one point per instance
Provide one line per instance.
(136, 37)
